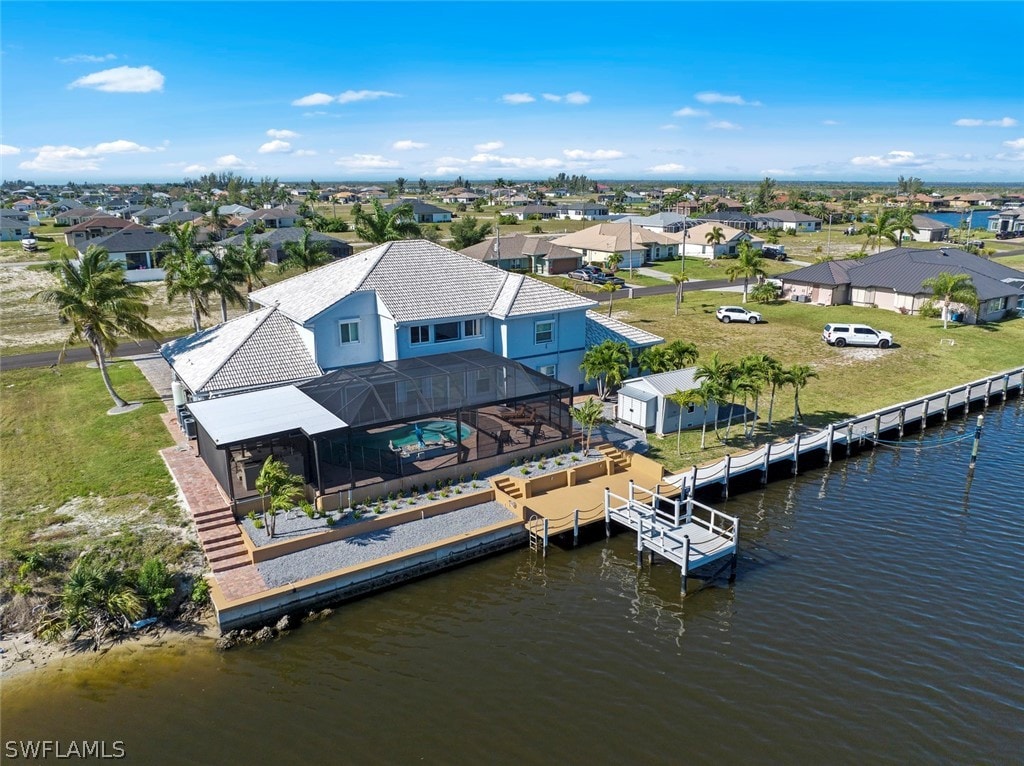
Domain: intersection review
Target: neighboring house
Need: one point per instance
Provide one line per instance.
(518, 252)
(75, 215)
(696, 242)
(235, 210)
(894, 279)
(147, 215)
(789, 220)
(24, 205)
(276, 217)
(634, 243)
(455, 196)
(136, 247)
(178, 217)
(666, 223)
(734, 219)
(423, 212)
(14, 215)
(276, 239)
(644, 403)
(929, 230)
(13, 229)
(94, 228)
(581, 211)
(524, 212)
(1009, 220)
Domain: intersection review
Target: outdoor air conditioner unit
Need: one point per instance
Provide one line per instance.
(188, 425)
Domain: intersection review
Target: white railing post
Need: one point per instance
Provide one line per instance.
(945, 407)
(631, 490)
(693, 481)
(607, 513)
(767, 462)
(575, 527)
(545, 537)
(725, 476)
(796, 454)
(831, 436)
(675, 515)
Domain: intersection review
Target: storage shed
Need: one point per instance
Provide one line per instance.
(644, 403)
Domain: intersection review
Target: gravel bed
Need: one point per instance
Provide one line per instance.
(374, 545)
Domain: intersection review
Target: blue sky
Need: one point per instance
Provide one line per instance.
(519, 90)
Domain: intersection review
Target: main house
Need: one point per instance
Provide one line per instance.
(894, 279)
(401, 361)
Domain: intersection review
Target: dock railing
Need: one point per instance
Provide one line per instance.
(858, 430)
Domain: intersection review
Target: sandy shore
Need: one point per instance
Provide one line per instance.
(23, 654)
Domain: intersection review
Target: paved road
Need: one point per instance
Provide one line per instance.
(75, 354)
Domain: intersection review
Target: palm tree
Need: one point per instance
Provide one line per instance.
(756, 368)
(610, 288)
(306, 253)
(702, 396)
(682, 354)
(225, 276)
(775, 375)
(678, 280)
(589, 415)
(882, 227)
(186, 272)
(903, 220)
(93, 297)
(217, 222)
(467, 232)
(952, 288)
(714, 238)
(281, 487)
(798, 376)
(250, 259)
(748, 265)
(382, 225)
(719, 375)
(613, 261)
(608, 364)
(655, 359)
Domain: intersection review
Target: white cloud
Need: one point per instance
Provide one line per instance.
(896, 158)
(517, 98)
(365, 161)
(122, 79)
(275, 147)
(85, 58)
(194, 169)
(313, 99)
(670, 167)
(710, 97)
(1017, 143)
(489, 146)
(668, 126)
(304, 153)
(597, 154)
(1005, 122)
(723, 125)
(689, 111)
(75, 158)
(405, 145)
(363, 95)
(229, 161)
(1017, 155)
(575, 98)
(446, 170)
(829, 122)
(273, 133)
(6, 149)
(522, 163)
(775, 172)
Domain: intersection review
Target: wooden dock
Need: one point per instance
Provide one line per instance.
(860, 432)
(689, 534)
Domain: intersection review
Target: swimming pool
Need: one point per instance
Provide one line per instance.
(433, 431)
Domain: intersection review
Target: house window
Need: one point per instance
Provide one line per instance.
(471, 328)
(446, 331)
(548, 369)
(136, 261)
(544, 332)
(690, 408)
(419, 333)
(348, 331)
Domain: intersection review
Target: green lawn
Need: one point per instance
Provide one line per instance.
(73, 477)
(704, 268)
(851, 381)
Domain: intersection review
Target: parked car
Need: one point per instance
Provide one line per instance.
(30, 244)
(580, 274)
(591, 269)
(855, 335)
(775, 252)
(603, 279)
(729, 314)
(1007, 234)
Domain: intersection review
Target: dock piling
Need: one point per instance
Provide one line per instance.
(796, 454)
(974, 447)
(767, 462)
(607, 516)
(725, 477)
(575, 527)
(945, 407)
(828, 444)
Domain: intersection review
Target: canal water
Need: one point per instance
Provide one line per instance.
(876, 618)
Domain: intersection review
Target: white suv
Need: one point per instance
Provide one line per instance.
(855, 335)
(737, 314)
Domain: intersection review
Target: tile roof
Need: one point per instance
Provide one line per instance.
(698, 234)
(515, 245)
(788, 216)
(259, 349)
(104, 222)
(601, 327)
(415, 280)
(613, 237)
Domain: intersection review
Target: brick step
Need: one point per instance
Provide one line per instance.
(206, 526)
(220, 545)
(227, 553)
(216, 536)
(206, 512)
(234, 563)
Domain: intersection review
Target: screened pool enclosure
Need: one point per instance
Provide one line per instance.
(406, 419)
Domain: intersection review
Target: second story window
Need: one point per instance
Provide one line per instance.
(544, 332)
(445, 331)
(419, 333)
(348, 331)
(471, 328)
